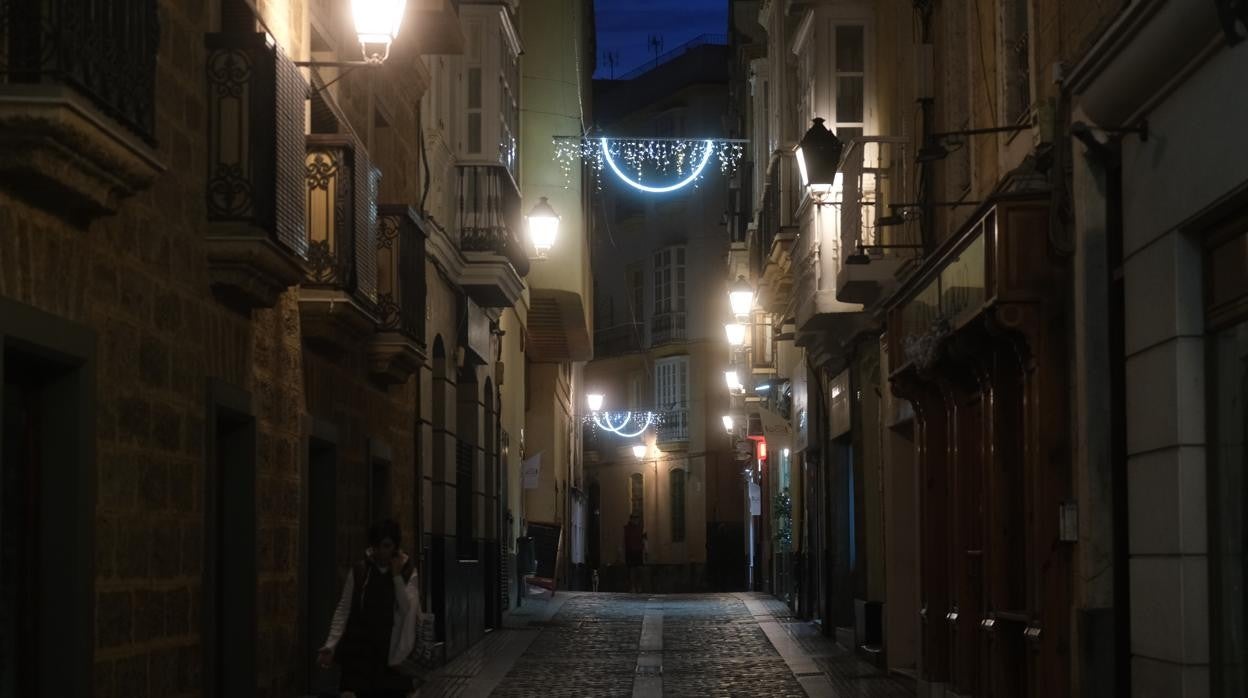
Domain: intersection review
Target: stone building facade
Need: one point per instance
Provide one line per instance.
(658, 349)
(246, 308)
(972, 464)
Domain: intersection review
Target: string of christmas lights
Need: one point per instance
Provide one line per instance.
(626, 424)
(653, 165)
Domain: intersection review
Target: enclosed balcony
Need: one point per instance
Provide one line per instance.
(338, 299)
(488, 222)
(78, 103)
(255, 196)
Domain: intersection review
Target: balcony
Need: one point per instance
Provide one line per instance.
(256, 204)
(619, 339)
(338, 298)
(488, 221)
(674, 429)
(77, 103)
(666, 328)
(879, 241)
(398, 348)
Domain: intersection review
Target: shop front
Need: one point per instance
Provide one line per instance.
(976, 345)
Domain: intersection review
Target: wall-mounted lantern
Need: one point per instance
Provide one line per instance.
(543, 227)
(819, 155)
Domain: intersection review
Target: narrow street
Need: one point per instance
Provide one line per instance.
(581, 644)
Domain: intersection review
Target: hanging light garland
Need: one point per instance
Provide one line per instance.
(657, 165)
(625, 424)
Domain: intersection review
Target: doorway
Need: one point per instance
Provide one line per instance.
(47, 502)
(320, 559)
(230, 545)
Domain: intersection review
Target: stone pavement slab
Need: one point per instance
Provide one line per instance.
(630, 645)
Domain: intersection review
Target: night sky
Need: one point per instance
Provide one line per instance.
(624, 26)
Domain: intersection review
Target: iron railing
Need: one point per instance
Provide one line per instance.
(401, 272)
(342, 216)
(103, 49)
(620, 339)
(674, 427)
(874, 180)
(667, 327)
(488, 213)
(256, 146)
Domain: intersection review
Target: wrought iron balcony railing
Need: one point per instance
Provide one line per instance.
(341, 188)
(674, 427)
(667, 327)
(401, 272)
(488, 214)
(103, 49)
(620, 339)
(256, 147)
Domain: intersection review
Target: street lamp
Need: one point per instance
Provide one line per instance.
(819, 155)
(639, 451)
(732, 379)
(543, 227)
(736, 333)
(377, 24)
(595, 401)
(741, 296)
(728, 423)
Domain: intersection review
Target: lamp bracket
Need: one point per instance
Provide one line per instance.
(336, 64)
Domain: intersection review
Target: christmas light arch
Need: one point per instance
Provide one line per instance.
(697, 171)
(671, 164)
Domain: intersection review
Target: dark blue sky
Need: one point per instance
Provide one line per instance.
(624, 25)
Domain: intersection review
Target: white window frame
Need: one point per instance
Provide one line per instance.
(671, 383)
(669, 279)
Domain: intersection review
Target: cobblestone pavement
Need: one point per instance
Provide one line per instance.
(705, 645)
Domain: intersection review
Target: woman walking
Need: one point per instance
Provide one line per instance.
(374, 626)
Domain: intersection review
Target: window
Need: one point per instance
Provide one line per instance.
(671, 397)
(671, 383)
(678, 505)
(669, 280)
(849, 41)
(636, 496)
(473, 97)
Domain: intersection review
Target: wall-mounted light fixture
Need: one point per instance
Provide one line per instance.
(819, 155)
(377, 25)
(741, 296)
(543, 227)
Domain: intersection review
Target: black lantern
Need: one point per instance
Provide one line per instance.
(819, 154)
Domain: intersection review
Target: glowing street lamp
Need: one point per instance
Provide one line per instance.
(543, 227)
(639, 451)
(377, 24)
(733, 380)
(728, 423)
(736, 333)
(595, 401)
(741, 296)
(819, 155)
